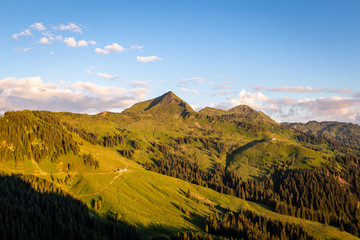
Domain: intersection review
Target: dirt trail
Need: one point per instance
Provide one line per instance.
(111, 182)
(41, 172)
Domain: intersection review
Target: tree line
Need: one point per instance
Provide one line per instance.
(34, 135)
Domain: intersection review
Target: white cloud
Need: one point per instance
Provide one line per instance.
(136, 47)
(288, 109)
(110, 49)
(82, 43)
(194, 91)
(107, 76)
(194, 79)
(148, 59)
(25, 33)
(248, 98)
(45, 40)
(38, 27)
(71, 42)
(72, 27)
(88, 71)
(33, 93)
(136, 83)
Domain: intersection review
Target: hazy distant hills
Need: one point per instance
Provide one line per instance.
(159, 169)
(348, 133)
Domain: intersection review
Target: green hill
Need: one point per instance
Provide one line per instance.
(347, 133)
(210, 163)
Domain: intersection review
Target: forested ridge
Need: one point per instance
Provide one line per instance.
(311, 194)
(34, 135)
(329, 194)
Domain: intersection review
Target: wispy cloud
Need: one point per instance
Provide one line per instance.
(136, 47)
(227, 92)
(106, 76)
(72, 27)
(201, 80)
(148, 59)
(27, 32)
(136, 83)
(33, 93)
(110, 49)
(24, 33)
(22, 49)
(194, 91)
(302, 89)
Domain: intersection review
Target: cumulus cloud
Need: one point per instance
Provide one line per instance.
(107, 76)
(110, 49)
(148, 59)
(288, 109)
(136, 83)
(38, 27)
(45, 40)
(72, 27)
(71, 42)
(33, 93)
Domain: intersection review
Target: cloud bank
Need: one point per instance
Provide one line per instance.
(294, 110)
(33, 93)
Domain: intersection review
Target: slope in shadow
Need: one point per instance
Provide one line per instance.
(241, 149)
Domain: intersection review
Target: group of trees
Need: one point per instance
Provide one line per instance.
(89, 160)
(49, 213)
(248, 225)
(93, 138)
(312, 194)
(34, 135)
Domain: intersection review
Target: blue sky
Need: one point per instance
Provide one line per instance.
(294, 60)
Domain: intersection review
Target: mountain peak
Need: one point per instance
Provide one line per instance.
(242, 109)
(167, 103)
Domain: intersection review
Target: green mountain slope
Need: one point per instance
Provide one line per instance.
(347, 133)
(223, 156)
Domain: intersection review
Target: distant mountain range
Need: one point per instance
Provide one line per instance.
(347, 133)
(161, 170)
